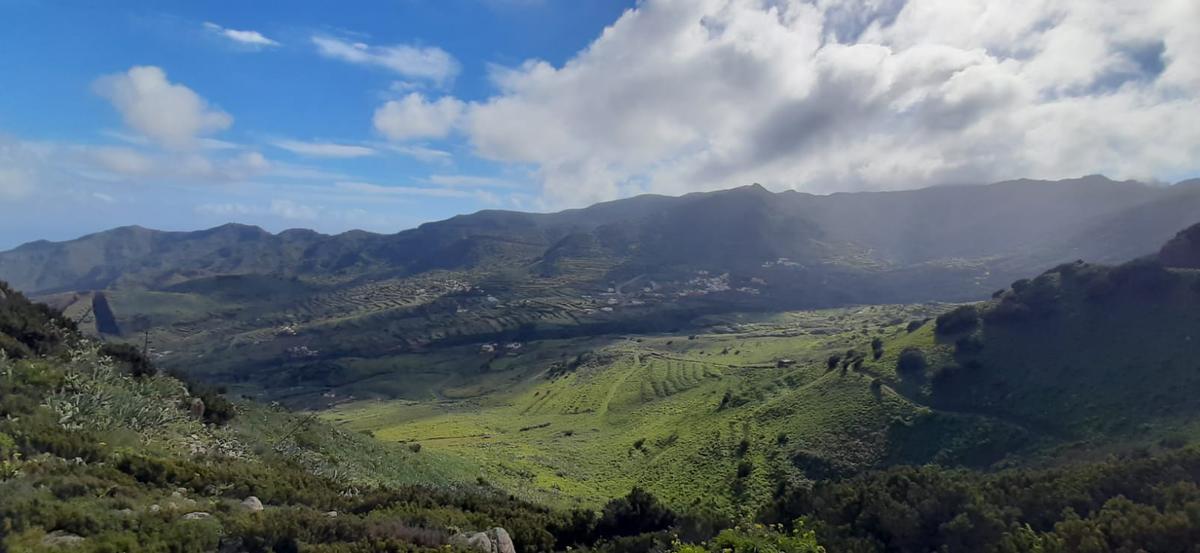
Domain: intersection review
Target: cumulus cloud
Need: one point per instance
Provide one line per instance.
(428, 63)
(168, 113)
(825, 95)
(252, 39)
(324, 149)
(415, 117)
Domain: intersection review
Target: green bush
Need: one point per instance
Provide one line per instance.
(960, 319)
(911, 363)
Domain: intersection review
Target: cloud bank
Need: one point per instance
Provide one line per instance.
(825, 95)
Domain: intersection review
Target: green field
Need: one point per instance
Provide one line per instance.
(676, 413)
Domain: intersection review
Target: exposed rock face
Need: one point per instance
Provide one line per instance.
(1183, 251)
(252, 504)
(59, 538)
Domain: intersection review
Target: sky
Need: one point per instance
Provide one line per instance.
(383, 115)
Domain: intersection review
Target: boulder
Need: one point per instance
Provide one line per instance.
(198, 515)
(331, 514)
(59, 538)
(252, 504)
(502, 541)
(478, 541)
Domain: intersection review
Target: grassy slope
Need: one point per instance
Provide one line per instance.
(1093, 377)
(649, 412)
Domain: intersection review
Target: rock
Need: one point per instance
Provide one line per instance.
(198, 515)
(176, 495)
(59, 538)
(502, 540)
(125, 512)
(197, 408)
(478, 541)
(155, 508)
(252, 504)
(331, 514)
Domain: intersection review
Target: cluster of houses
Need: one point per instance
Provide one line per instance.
(300, 352)
(781, 262)
(493, 347)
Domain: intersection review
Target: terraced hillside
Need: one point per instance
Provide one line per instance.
(1079, 363)
(718, 416)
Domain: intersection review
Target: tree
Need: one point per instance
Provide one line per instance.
(962, 318)
(911, 363)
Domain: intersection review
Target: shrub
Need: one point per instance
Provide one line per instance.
(636, 513)
(129, 357)
(744, 469)
(911, 363)
(960, 319)
(969, 344)
(876, 348)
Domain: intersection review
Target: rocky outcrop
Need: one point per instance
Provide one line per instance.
(494, 540)
(59, 538)
(501, 541)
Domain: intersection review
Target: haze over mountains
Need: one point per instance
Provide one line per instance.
(982, 235)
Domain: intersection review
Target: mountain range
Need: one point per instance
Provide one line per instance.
(994, 233)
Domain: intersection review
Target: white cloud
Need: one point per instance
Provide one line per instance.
(170, 114)
(825, 95)
(414, 117)
(124, 161)
(324, 149)
(422, 153)
(121, 163)
(21, 168)
(104, 197)
(380, 190)
(281, 208)
(292, 210)
(415, 62)
(253, 39)
(469, 181)
(226, 209)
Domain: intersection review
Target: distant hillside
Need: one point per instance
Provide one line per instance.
(955, 236)
(1082, 352)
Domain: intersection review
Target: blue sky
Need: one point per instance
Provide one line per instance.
(279, 92)
(383, 115)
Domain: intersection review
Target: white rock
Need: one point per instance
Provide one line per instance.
(252, 504)
(199, 515)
